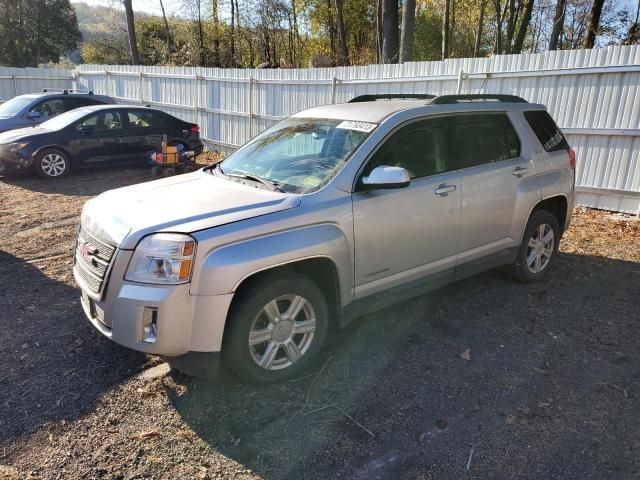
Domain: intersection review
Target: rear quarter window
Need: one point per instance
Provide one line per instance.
(546, 130)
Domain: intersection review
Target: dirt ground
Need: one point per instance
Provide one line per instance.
(485, 378)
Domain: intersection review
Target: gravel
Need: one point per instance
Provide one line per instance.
(485, 378)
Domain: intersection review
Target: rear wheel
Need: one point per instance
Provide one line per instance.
(276, 328)
(156, 171)
(538, 249)
(51, 163)
(169, 172)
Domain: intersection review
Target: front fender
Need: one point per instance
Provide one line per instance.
(223, 269)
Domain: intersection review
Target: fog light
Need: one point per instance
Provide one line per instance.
(149, 324)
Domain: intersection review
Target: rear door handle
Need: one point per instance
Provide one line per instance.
(444, 189)
(520, 171)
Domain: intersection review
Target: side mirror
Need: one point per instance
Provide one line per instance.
(34, 115)
(384, 177)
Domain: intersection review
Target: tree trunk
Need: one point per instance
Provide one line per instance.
(594, 23)
(445, 29)
(478, 42)
(408, 28)
(379, 31)
(524, 25)
(390, 31)
(511, 25)
(498, 43)
(558, 24)
(216, 34)
(131, 30)
(342, 34)
(167, 30)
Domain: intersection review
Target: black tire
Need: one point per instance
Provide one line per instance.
(156, 171)
(52, 163)
(169, 172)
(247, 311)
(521, 270)
(189, 168)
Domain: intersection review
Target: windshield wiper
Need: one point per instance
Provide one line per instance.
(256, 178)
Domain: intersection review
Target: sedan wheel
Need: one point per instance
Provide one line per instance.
(52, 164)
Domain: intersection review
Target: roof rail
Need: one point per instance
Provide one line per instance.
(482, 97)
(65, 91)
(391, 96)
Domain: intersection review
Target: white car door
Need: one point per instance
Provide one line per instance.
(409, 234)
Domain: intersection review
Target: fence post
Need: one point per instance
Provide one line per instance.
(140, 88)
(107, 84)
(199, 110)
(334, 84)
(15, 85)
(460, 80)
(250, 107)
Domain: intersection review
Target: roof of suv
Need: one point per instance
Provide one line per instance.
(375, 108)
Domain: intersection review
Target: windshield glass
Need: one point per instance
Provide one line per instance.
(64, 119)
(14, 106)
(299, 155)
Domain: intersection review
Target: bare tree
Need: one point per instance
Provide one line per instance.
(524, 26)
(216, 33)
(445, 29)
(558, 24)
(131, 30)
(408, 29)
(390, 31)
(342, 34)
(594, 23)
(379, 8)
(478, 42)
(499, 19)
(167, 30)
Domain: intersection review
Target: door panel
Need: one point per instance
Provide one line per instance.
(99, 139)
(407, 234)
(489, 153)
(143, 134)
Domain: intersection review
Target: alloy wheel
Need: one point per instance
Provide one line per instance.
(282, 332)
(53, 164)
(540, 248)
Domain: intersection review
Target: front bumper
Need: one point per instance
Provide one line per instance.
(14, 161)
(184, 323)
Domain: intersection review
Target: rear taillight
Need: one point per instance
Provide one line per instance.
(195, 129)
(572, 158)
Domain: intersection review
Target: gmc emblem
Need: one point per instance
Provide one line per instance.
(87, 251)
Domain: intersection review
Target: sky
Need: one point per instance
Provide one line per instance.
(147, 6)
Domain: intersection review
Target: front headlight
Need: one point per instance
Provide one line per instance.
(162, 258)
(16, 147)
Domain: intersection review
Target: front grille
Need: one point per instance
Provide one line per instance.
(92, 260)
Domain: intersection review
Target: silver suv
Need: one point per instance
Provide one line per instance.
(331, 213)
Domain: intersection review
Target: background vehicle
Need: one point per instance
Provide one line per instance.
(35, 108)
(331, 213)
(92, 136)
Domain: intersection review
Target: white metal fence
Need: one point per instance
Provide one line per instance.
(593, 94)
(16, 81)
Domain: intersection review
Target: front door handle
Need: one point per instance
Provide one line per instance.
(444, 189)
(520, 171)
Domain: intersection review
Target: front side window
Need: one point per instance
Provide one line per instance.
(49, 108)
(101, 122)
(482, 138)
(299, 155)
(419, 147)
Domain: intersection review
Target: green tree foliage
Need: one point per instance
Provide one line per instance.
(36, 31)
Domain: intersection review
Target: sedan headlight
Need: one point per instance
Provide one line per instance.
(16, 147)
(162, 258)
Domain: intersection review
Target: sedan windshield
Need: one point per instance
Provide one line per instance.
(65, 119)
(14, 106)
(298, 155)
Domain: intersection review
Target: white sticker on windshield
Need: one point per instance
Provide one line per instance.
(359, 126)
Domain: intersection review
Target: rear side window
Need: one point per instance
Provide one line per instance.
(140, 119)
(419, 147)
(546, 130)
(482, 138)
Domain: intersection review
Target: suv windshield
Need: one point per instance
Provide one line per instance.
(298, 155)
(14, 106)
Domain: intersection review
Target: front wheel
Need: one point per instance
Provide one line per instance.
(276, 328)
(51, 163)
(538, 249)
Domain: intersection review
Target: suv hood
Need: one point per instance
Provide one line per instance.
(182, 204)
